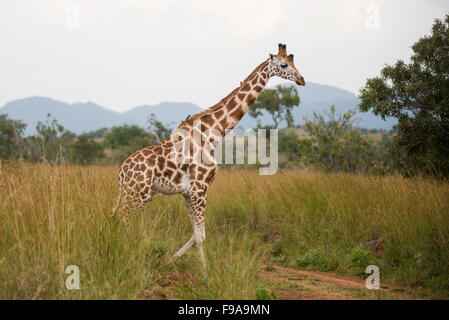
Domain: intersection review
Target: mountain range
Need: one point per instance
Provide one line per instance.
(88, 116)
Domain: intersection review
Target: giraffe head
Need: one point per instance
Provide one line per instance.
(282, 65)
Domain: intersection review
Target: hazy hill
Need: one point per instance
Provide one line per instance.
(84, 117)
(79, 117)
(169, 113)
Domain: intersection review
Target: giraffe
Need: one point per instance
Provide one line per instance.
(184, 162)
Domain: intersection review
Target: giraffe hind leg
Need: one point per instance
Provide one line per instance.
(186, 247)
(119, 199)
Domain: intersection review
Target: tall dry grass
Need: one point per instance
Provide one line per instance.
(52, 217)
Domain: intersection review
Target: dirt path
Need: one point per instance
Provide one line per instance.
(293, 284)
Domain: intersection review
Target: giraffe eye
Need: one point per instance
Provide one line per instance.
(284, 65)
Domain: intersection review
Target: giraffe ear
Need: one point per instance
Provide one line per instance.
(271, 56)
(290, 58)
(282, 50)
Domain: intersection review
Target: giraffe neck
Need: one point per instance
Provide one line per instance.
(226, 114)
(239, 101)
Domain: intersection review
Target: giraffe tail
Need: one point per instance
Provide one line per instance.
(119, 199)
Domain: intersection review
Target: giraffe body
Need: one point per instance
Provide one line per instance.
(184, 162)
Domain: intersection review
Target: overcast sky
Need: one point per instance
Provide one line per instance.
(125, 53)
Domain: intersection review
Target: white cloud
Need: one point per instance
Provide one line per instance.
(160, 5)
(251, 18)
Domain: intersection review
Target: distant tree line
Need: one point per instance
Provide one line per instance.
(53, 144)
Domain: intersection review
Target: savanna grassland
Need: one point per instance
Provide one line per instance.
(52, 217)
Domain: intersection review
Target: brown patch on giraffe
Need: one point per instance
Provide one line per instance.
(192, 172)
(168, 144)
(258, 89)
(158, 150)
(246, 87)
(168, 173)
(250, 100)
(128, 160)
(166, 152)
(241, 96)
(146, 152)
(219, 114)
(160, 163)
(132, 165)
(231, 103)
(177, 178)
(224, 123)
(207, 119)
(171, 164)
(237, 114)
(149, 174)
(254, 81)
(191, 147)
(204, 128)
(151, 161)
(210, 177)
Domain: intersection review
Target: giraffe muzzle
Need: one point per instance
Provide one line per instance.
(300, 81)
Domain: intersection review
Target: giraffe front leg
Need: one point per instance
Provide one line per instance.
(196, 206)
(198, 200)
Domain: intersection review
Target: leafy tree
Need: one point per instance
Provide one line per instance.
(53, 140)
(127, 135)
(417, 94)
(124, 140)
(157, 128)
(10, 137)
(292, 146)
(86, 151)
(97, 134)
(278, 102)
(335, 145)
